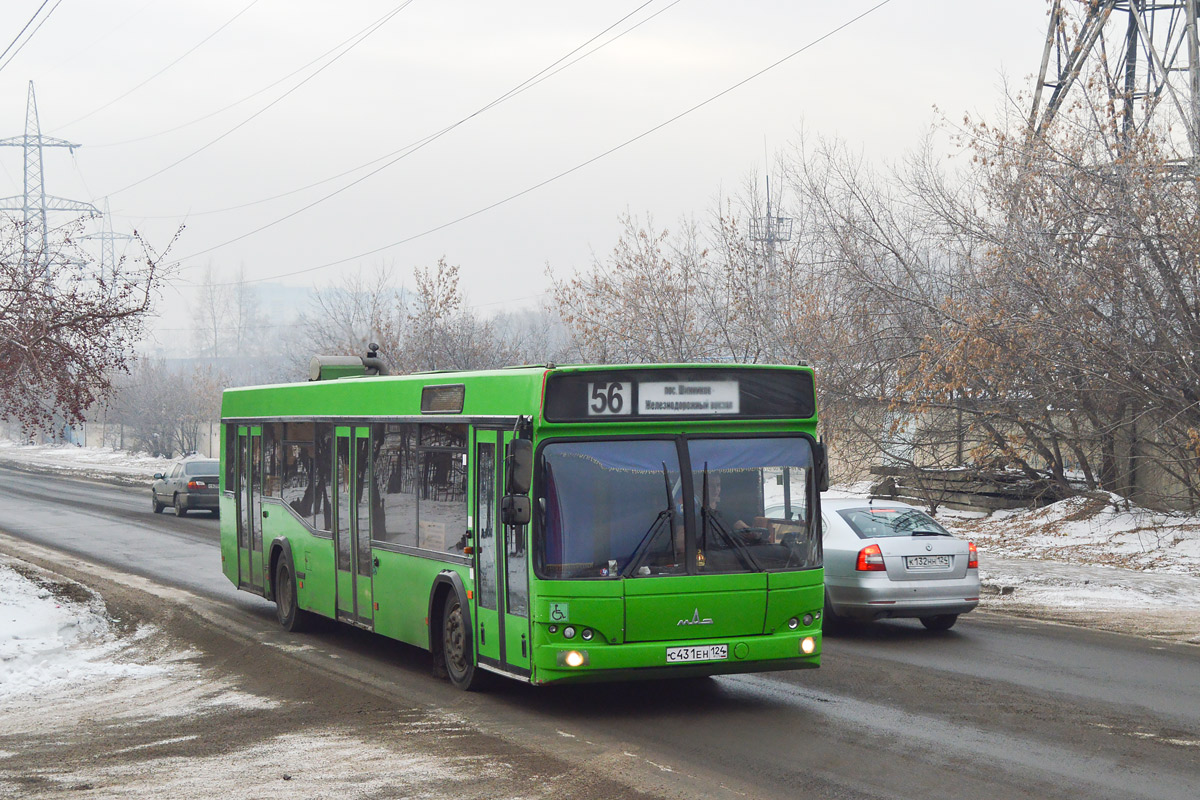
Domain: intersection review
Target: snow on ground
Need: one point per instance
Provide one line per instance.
(1093, 529)
(97, 463)
(54, 636)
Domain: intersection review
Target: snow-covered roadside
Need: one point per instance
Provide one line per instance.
(93, 463)
(1091, 560)
(54, 637)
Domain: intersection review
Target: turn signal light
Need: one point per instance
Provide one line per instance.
(870, 559)
(972, 556)
(197, 485)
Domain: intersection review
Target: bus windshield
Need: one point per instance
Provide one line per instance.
(616, 508)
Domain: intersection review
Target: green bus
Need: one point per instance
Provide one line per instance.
(551, 524)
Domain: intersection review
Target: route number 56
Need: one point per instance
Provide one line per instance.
(606, 399)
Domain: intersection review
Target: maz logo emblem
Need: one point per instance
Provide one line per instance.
(695, 620)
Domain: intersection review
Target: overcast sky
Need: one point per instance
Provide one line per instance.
(223, 114)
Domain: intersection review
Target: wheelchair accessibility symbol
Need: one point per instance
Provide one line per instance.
(559, 612)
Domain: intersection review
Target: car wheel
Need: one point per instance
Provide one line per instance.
(457, 648)
(291, 617)
(157, 506)
(940, 622)
(180, 506)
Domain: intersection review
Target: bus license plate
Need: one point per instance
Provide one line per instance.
(927, 562)
(708, 652)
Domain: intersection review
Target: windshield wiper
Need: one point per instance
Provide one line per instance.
(643, 548)
(929, 533)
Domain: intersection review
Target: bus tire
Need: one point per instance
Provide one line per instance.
(291, 617)
(458, 650)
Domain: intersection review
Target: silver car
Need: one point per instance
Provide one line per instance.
(885, 559)
(187, 486)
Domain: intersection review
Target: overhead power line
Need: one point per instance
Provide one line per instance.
(193, 49)
(412, 147)
(31, 33)
(250, 96)
(573, 169)
(368, 31)
(23, 29)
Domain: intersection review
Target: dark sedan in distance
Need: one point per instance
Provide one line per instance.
(188, 485)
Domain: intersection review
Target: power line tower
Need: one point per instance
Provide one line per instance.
(1145, 51)
(108, 239)
(771, 230)
(35, 202)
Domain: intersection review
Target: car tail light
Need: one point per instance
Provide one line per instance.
(197, 485)
(972, 556)
(870, 559)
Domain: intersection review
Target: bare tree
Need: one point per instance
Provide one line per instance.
(442, 333)
(345, 318)
(66, 326)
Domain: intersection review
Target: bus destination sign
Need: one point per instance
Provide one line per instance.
(688, 397)
(697, 393)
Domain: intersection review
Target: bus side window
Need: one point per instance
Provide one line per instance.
(230, 455)
(296, 479)
(272, 446)
(323, 478)
(394, 494)
(442, 494)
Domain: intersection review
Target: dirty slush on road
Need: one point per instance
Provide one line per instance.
(182, 708)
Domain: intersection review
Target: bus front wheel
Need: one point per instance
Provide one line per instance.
(291, 617)
(457, 650)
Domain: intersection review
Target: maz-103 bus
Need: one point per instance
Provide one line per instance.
(550, 524)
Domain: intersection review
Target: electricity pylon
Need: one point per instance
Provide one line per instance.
(35, 202)
(1145, 51)
(108, 239)
(770, 230)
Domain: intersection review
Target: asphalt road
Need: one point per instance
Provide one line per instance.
(998, 707)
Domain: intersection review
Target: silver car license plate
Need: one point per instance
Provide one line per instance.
(927, 562)
(708, 652)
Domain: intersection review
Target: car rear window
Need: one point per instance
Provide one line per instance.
(200, 468)
(874, 522)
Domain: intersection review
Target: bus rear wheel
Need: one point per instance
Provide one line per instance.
(291, 617)
(457, 649)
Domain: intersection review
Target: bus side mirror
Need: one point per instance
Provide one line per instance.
(821, 464)
(520, 466)
(515, 509)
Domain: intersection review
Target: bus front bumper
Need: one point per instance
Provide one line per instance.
(579, 661)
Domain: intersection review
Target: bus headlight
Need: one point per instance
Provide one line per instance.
(808, 645)
(572, 658)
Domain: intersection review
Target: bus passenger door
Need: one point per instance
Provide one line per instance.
(249, 503)
(351, 525)
(364, 564)
(486, 524)
(513, 564)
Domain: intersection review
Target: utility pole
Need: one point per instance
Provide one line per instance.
(35, 202)
(1138, 48)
